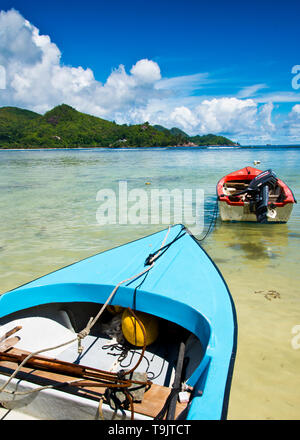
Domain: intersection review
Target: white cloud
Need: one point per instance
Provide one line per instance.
(246, 92)
(278, 97)
(217, 115)
(292, 123)
(296, 109)
(226, 114)
(184, 83)
(184, 117)
(17, 40)
(146, 72)
(37, 79)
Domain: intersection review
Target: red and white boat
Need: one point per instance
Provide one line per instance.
(253, 195)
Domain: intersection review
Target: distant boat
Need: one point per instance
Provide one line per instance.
(161, 344)
(253, 195)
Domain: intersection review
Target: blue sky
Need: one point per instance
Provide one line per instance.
(222, 67)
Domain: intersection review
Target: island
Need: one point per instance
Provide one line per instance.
(65, 127)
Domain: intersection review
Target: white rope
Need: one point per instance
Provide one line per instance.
(93, 321)
(83, 333)
(27, 358)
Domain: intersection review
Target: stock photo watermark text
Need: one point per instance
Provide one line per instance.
(155, 206)
(295, 341)
(296, 78)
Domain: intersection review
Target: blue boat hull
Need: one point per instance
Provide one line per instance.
(184, 286)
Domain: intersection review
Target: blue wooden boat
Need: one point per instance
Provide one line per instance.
(185, 372)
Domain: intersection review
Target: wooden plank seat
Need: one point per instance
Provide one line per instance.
(153, 399)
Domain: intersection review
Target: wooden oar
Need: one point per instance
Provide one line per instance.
(67, 368)
(9, 343)
(10, 332)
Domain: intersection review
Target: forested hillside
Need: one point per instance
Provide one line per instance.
(63, 126)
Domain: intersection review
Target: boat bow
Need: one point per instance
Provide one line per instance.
(183, 286)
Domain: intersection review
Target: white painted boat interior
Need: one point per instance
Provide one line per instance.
(50, 325)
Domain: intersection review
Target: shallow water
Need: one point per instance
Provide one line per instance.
(48, 220)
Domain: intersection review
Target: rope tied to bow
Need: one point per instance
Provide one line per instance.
(92, 321)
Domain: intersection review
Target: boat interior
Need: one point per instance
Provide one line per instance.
(231, 187)
(51, 325)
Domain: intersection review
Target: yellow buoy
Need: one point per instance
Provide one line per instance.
(133, 331)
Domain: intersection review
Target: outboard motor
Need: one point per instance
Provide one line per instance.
(261, 206)
(258, 190)
(265, 178)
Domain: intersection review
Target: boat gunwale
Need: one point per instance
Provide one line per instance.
(248, 176)
(235, 335)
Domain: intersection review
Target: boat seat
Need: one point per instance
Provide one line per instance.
(39, 332)
(230, 189)
(236, 185)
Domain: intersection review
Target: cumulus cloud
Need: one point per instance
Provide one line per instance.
(292, 123)
(37, 79)
(225, 115)
(146, 72)
(17, 40)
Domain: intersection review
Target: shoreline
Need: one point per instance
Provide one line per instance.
(120, 148)
(152, 147)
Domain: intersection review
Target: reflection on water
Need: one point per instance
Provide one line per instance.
(48, 220)
(253, 241)
(253, 251)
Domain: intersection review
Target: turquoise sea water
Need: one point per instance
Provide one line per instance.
(48, 220)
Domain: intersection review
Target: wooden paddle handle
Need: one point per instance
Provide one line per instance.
(10, 332)
(9, 343)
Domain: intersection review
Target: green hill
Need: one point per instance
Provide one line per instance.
(210, 139)
(63, 126)
(12, 123)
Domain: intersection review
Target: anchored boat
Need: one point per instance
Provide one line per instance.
(253, 195)
(146, 330)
